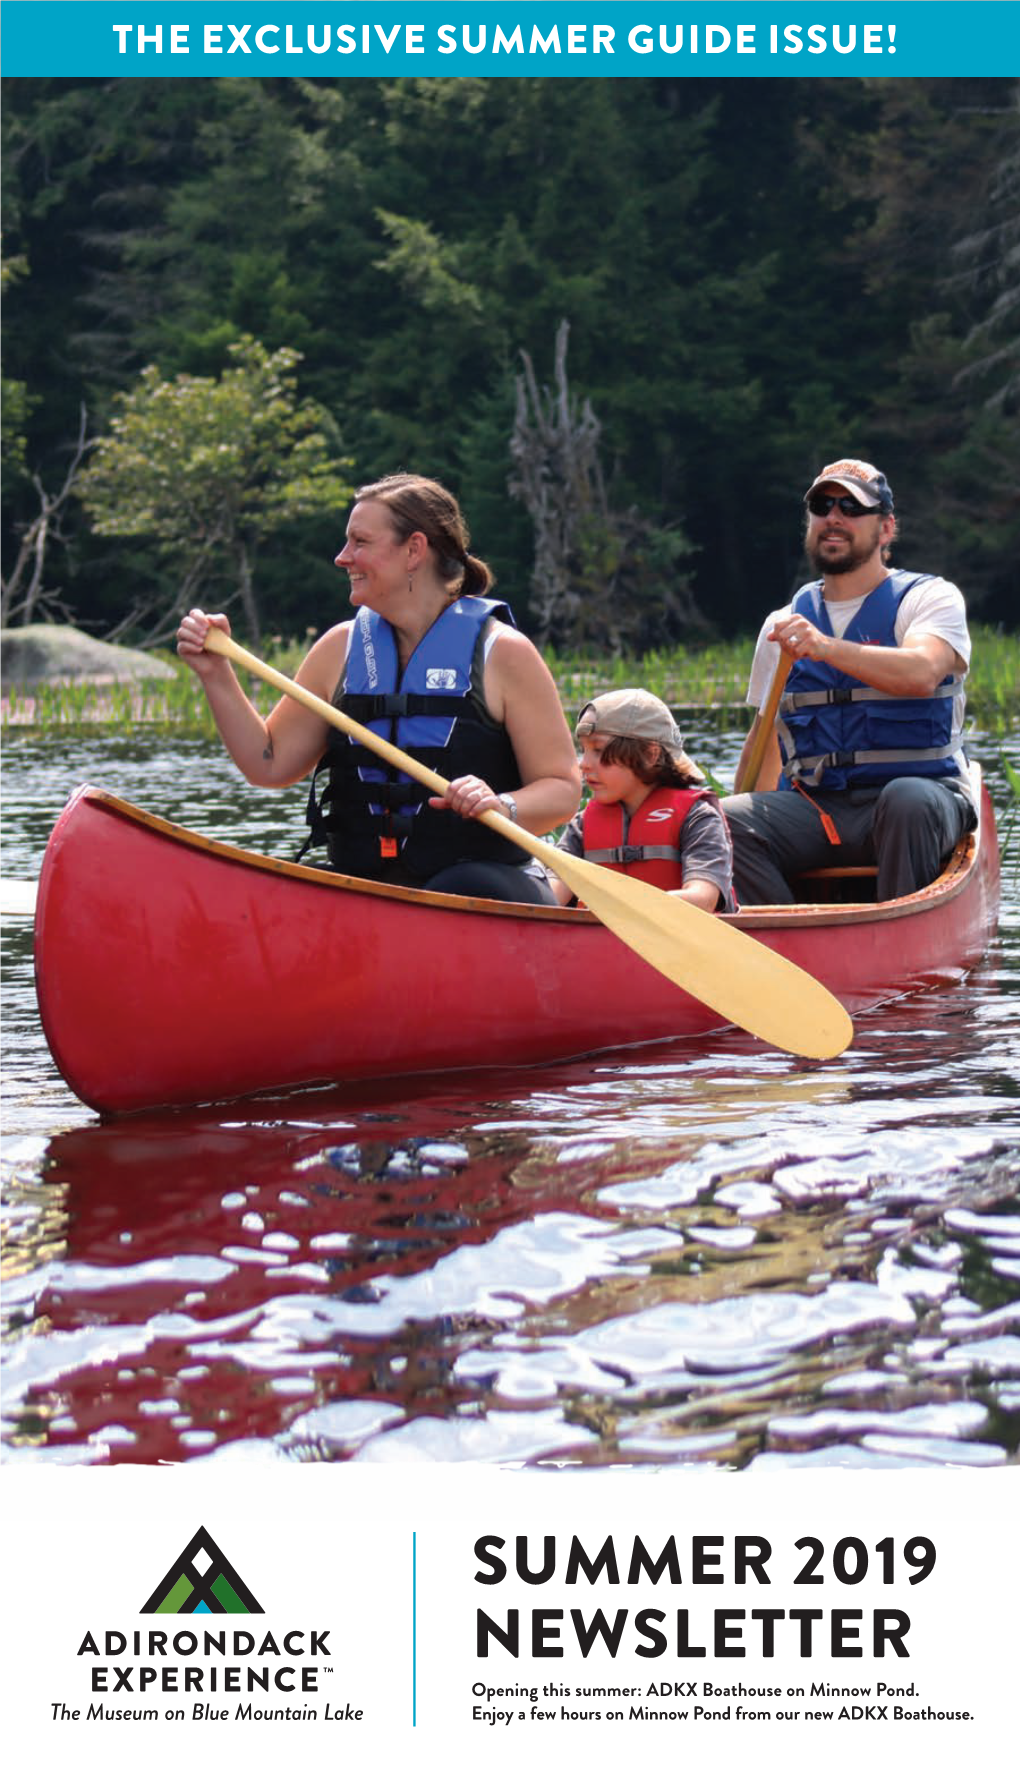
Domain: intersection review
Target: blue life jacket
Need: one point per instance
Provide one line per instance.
(836, 732)
(375, 821)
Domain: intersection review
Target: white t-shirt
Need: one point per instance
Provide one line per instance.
(934, 606)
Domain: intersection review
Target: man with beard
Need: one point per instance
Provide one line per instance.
(866, 763)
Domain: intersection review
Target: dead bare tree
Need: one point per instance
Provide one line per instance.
(602, 576)
(23, 597)
(554, 447)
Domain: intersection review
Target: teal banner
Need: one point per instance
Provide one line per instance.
(912, 37)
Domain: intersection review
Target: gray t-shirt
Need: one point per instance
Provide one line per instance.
(706, 852)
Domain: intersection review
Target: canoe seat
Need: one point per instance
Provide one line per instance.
(841, 874)
(837, 886)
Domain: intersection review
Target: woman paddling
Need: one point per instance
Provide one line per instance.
(434, 665)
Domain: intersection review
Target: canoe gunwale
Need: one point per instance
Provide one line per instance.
(328, 878)
(951, 882)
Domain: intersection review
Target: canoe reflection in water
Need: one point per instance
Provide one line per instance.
(251, 1272)
(499, 1270)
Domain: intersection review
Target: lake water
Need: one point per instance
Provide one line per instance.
(697, 1254)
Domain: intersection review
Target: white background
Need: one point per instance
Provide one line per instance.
(325, 1546)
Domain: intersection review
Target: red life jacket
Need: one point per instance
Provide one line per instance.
(648, 846)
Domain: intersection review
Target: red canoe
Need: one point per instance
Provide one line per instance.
(174, 970)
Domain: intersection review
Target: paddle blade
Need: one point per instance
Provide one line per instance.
(748, 984)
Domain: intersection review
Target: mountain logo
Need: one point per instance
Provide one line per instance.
(203, 1580)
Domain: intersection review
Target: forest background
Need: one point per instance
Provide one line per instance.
(755, 276)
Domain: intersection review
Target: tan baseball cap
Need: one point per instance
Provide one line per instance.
(630, 713)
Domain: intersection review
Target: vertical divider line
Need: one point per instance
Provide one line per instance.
(414, 1629)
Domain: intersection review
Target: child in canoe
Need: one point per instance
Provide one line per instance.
(650, 814)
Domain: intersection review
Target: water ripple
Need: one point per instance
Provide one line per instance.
(696, 1256)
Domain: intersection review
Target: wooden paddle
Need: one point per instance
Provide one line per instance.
(748, 984)
(766, 720)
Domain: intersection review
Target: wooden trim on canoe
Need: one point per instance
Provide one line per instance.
(946, 887)
(324, 877)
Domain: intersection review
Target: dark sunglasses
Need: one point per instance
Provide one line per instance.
(848, 505)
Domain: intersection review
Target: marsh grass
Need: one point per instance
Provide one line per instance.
(127, 706)
(712, 678)
(716, 678)
(1011, 812)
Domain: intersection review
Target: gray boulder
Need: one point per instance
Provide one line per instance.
(33, 654)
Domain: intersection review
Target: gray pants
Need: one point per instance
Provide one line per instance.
(908, 827)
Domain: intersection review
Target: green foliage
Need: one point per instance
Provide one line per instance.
(948, 181)
(757, 275)
(426, 269)
(16, 407)
(209, 467)
(16, 404)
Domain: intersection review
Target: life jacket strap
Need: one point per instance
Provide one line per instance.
(841, 697)
(366, 707)
(827, 821)
(812, 768)
(626, 853)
